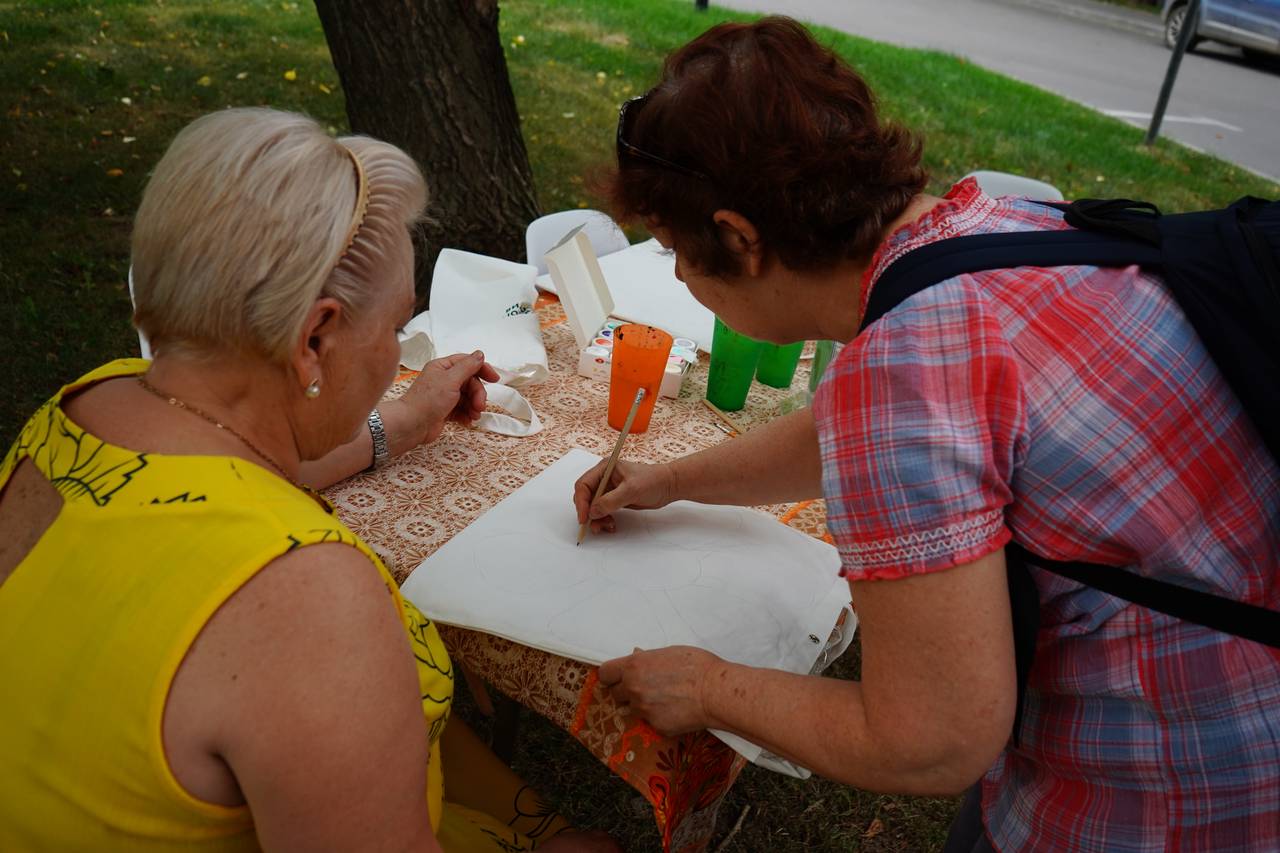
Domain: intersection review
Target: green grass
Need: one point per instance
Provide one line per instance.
(74, 155)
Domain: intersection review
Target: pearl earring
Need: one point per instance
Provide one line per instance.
(313, 390)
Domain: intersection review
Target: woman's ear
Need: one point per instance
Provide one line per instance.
(739, 236)
(316, 341)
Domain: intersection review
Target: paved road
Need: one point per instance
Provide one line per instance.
(1107, 58)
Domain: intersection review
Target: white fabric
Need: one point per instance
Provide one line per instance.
(483, 303)
(520, 419)
(731, 580)
(144, 345)
(1004, 183)
(642, 280)
(545, 231)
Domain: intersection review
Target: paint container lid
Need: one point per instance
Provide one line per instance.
(604, 342)
(684, 343)
(598, 352)
(686, 354)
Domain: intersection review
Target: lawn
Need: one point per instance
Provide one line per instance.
(92, 93)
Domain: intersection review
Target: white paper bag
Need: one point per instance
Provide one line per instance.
(480, 303)
(483, 303)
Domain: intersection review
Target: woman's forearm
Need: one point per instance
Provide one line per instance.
(821, 724)
(773, 463)
(357, 454)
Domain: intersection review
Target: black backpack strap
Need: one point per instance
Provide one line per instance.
(1190, 605)
(1253, 217)
(1123, 217)
(921, 268)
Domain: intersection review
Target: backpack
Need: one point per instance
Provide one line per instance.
(1223, 269)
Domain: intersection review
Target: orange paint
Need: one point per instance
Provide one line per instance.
(790, 514)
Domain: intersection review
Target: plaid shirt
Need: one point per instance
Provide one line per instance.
(1074, 410)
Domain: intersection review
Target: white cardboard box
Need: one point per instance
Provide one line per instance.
(587, 305)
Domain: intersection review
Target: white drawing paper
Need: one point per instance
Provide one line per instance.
(731, 580)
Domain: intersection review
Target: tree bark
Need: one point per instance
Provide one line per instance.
(430, 77)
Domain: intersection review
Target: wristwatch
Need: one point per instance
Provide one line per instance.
(381, 452)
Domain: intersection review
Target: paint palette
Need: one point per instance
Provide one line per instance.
(596, 359)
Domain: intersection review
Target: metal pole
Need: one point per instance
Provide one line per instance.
(1189, 20)
(700, 5)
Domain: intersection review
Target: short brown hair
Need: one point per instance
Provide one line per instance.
(785, 132)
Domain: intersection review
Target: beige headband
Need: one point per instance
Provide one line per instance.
(362, 205)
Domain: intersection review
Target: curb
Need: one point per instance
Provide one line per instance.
(1134, 22)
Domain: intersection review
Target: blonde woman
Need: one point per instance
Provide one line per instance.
(197, 653)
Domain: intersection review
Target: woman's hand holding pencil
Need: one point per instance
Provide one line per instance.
(632, 485)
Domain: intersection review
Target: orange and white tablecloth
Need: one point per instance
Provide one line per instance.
(408, 509)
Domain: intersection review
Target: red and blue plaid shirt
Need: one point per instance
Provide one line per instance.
(1074, 410)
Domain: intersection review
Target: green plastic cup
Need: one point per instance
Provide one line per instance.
(778, 362)
(733, 366)
(823, 352)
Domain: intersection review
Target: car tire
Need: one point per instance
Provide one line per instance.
(1173, 26)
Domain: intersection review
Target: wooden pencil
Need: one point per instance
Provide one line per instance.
(613, 460)
(715, 410)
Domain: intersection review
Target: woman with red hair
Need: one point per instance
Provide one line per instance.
(1070, 410)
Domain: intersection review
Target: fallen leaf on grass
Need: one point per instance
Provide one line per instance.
(324, 88)
(874, 828)
(206, 80)
(291, 75)
(114, 173)
(242, 75)
(129, 139)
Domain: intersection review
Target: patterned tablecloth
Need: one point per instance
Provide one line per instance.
(408, 509)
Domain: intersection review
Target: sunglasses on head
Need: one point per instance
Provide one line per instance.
(626, 119)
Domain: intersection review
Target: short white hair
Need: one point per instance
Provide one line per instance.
(243, 222)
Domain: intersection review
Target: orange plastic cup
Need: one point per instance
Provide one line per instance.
(639, 361)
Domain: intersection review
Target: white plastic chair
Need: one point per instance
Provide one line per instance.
(545, 231)
(1004, 183)
(143, 344)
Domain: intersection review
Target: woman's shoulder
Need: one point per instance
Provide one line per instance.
(114, 369)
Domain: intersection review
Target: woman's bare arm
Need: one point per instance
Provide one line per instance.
(933, 710)
(304, 685)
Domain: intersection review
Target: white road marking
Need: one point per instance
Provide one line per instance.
(1146, 118)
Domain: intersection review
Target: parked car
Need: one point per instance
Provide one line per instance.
(1252, 25)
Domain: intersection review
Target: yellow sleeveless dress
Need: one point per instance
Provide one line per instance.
(96, 619)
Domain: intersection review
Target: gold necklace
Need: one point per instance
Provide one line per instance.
(174, 401)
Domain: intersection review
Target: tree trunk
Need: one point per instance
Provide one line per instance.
(430, 77)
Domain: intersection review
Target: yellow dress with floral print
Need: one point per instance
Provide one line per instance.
(98, 616)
